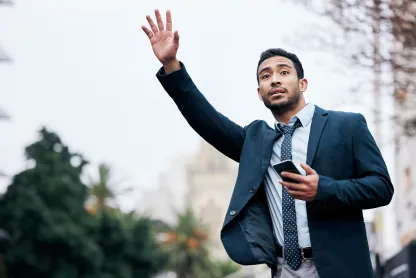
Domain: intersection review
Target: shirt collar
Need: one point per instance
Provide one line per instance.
(305, 116)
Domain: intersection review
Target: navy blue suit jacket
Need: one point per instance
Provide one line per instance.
(352, 177)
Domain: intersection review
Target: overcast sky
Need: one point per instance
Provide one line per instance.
(85, 70)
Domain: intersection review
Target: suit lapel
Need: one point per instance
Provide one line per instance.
(318, 123)
(269, 138)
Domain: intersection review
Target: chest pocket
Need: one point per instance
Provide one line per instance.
(334, 161)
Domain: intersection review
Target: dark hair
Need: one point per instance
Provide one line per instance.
(271, 52)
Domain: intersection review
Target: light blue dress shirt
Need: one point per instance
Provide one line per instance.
(273, 188)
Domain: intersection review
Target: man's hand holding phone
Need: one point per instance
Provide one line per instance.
(304, 187)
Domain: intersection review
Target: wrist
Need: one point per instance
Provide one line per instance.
(171, 66)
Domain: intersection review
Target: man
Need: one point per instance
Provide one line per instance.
(309, 228)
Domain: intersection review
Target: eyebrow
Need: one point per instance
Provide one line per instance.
(278, 66)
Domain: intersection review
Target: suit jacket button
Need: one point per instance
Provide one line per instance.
(232, 213)
(252, 190)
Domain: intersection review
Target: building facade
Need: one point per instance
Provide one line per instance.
(405, 190)
(404, 63)
(211, 178)
(167, 197)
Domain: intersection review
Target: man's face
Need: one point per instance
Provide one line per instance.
(279, 86)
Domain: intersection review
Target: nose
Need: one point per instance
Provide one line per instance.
(276, 79)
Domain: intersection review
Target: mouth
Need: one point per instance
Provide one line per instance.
(277, 91)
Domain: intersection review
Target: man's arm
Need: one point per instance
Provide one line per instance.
(372, 188)
(216, 129)
(225, 135)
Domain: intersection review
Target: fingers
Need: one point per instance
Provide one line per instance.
(296, 194)
(299, 195)
(293, 186)
(176, 37)
(168, 21)
(160, 25)
(308, 169)
(294, 176)
(148, 32)
(159, 20)
(152, 25)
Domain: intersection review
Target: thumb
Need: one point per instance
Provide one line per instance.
(308, 169)
(176, 37)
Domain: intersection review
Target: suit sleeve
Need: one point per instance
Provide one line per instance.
(223, 134)
(372, 188)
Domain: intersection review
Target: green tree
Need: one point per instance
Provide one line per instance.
(53, 235)
(187, 244)
(129, 245)
(144, 254)
(43, 211)
(102, 190)
(226, 268)
(4, 244)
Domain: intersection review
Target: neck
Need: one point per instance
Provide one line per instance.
(284, 115)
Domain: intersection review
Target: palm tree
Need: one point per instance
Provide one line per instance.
(102, 190)
(186, 243)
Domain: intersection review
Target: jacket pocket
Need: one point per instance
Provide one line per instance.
(332, 147)
(334, 161)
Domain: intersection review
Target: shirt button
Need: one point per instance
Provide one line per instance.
(232, 213)
(252, 190)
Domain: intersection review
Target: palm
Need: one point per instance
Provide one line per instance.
(164, 42)
(164, 45)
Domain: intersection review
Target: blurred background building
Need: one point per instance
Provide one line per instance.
(203, 182)
(166, 198)
(405, 47)
(211, 177)
(403, 263)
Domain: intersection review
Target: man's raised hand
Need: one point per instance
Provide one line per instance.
(164, 42)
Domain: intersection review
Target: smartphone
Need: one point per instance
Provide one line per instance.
(286, 166)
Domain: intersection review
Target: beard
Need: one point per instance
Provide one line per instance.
(285, 106)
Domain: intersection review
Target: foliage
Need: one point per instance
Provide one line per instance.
(226, 268)
(101, 189)
(128, 245)
(43, 212)
(394, 21)
(187, 243)
(52, 234)
(378, 35)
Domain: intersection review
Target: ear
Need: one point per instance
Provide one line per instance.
(303, 84)
(258, 93)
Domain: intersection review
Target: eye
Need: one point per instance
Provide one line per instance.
(265, 76)
(285, 72)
